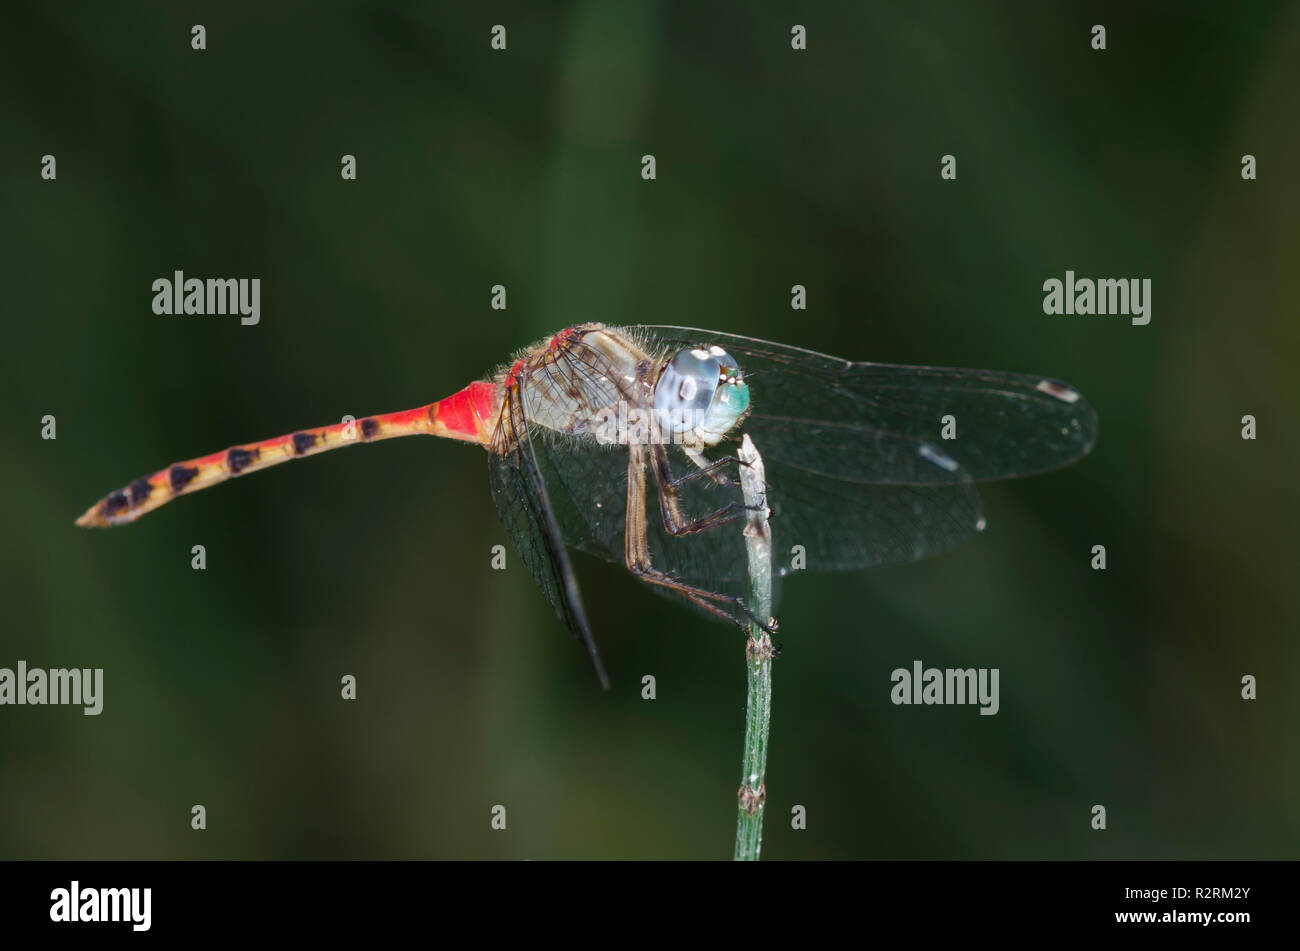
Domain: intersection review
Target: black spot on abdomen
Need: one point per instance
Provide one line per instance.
(180, 476)
(239, 459)
(140, 490)
(368, 429)
(116, 503)
(302, 442)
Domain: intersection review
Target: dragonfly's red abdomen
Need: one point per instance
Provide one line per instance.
(470, 414)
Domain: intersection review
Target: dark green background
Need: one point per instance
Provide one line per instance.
(522, 168)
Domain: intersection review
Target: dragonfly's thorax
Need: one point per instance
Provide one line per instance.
(603, 383)
(584, 377)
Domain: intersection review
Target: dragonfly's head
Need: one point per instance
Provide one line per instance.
(701, 392)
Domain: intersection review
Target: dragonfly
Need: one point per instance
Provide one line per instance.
(621, 442)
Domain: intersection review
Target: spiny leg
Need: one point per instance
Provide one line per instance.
(636, 552)
(675, 523)
(703, 467)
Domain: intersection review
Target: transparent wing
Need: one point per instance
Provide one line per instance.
(588, 489)
(523, 503)
(881, 423)
(858, 472)
(838, 525)
(857, 469)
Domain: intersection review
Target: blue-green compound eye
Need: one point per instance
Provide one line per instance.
(701, 390)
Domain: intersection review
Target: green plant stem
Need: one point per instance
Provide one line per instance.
(752, 795)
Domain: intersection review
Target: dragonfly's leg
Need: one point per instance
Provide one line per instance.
(636, 549)
(670, 507)
(703, 467)
(636, 554)
(702, 598)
